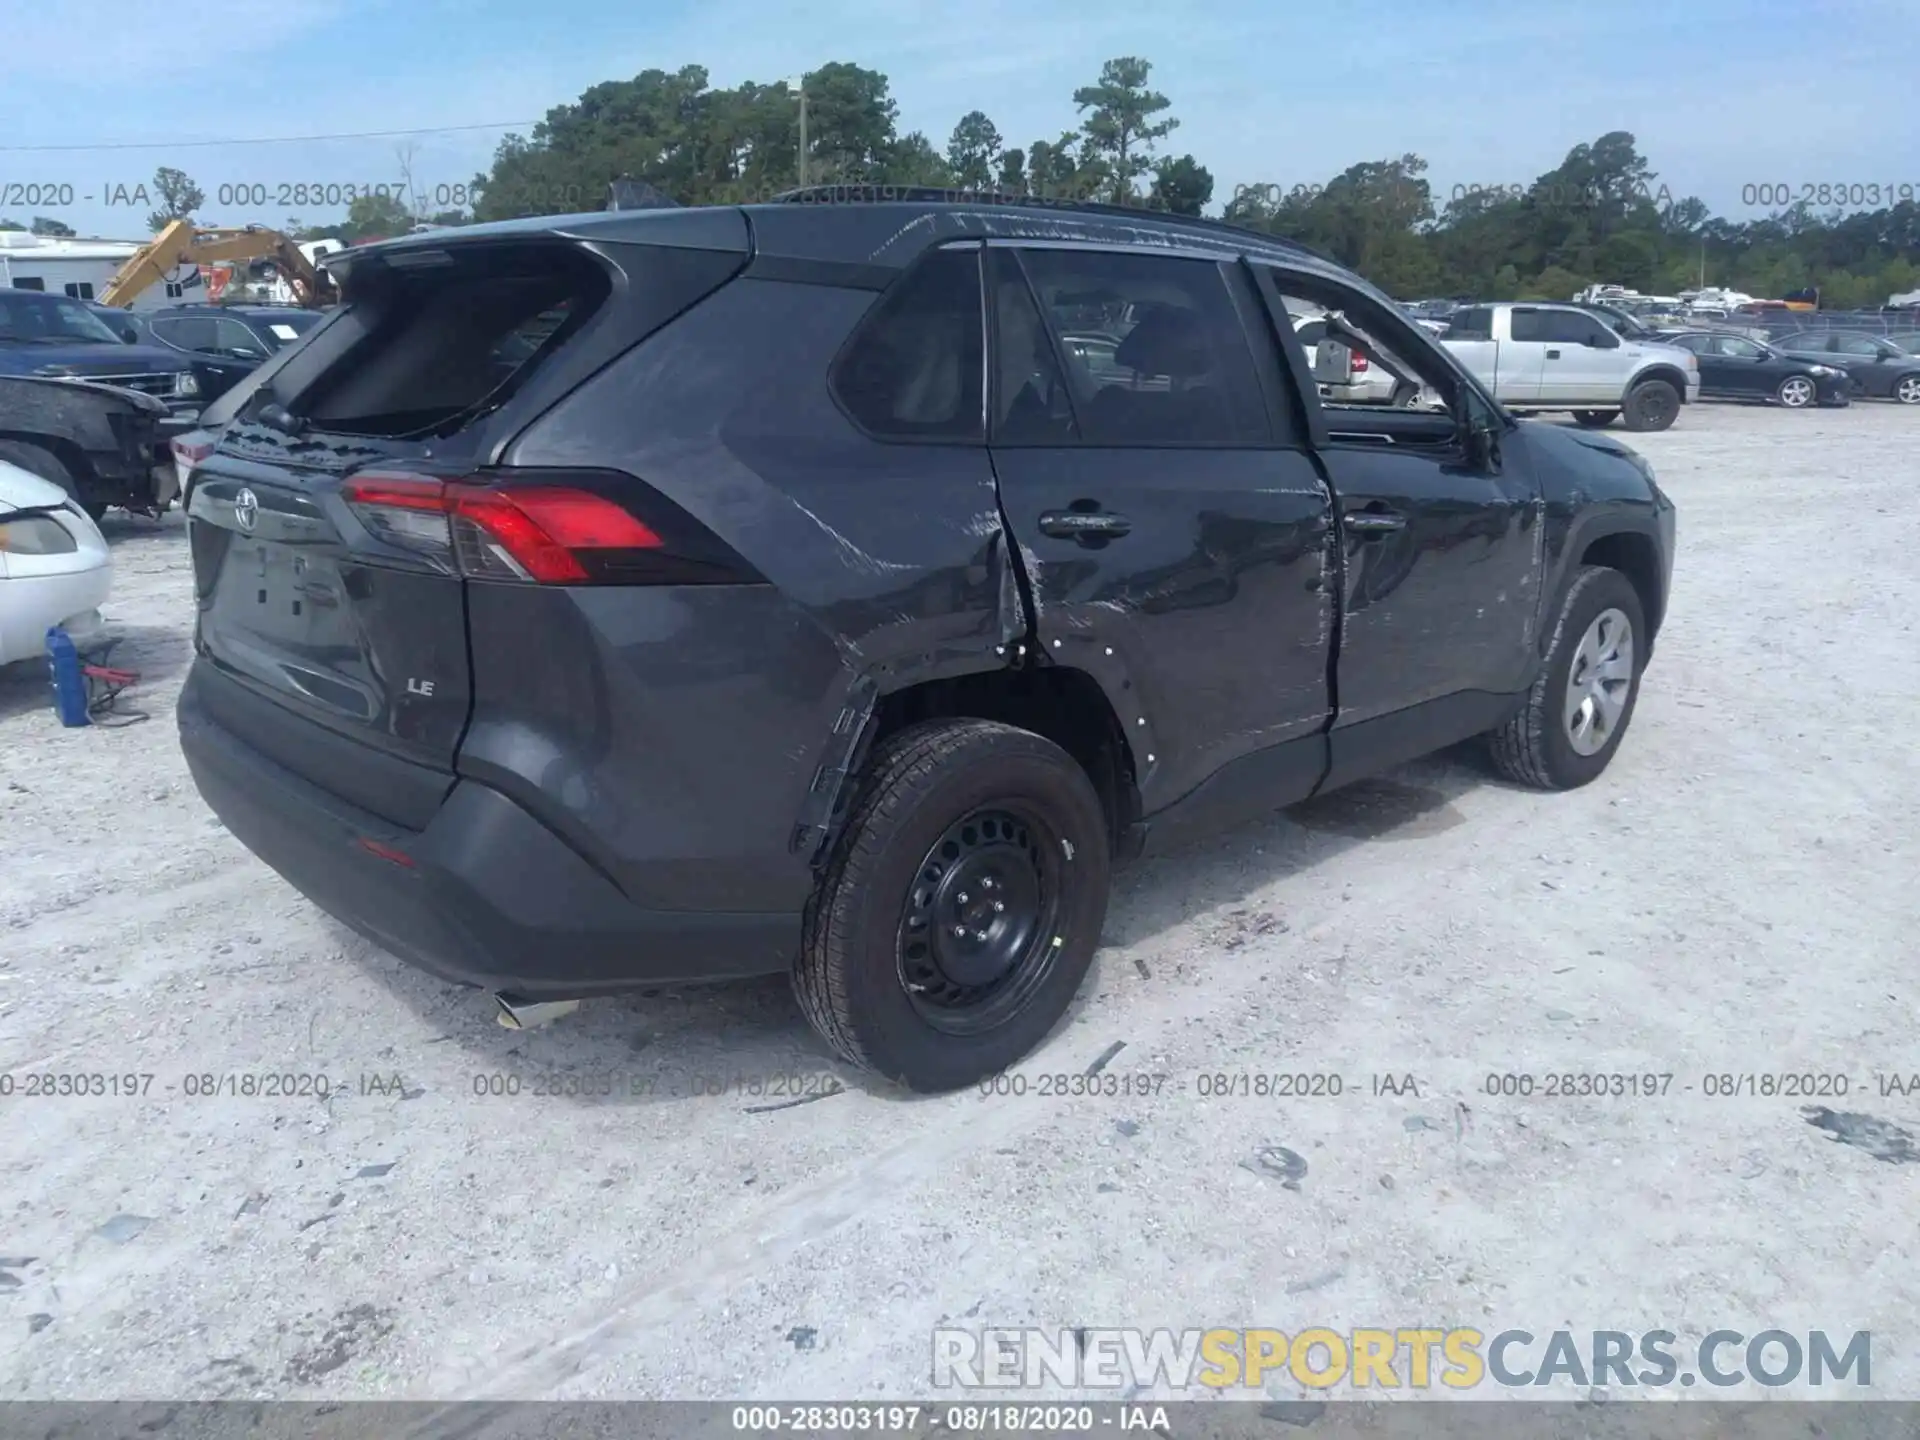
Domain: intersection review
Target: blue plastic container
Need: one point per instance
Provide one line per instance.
(69, 681)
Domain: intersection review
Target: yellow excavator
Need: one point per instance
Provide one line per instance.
(184, 243)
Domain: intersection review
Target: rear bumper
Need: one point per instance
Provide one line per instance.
(493, 898)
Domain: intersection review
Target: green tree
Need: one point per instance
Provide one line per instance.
(974, 151)
(912, 160)
(48, 226)
(850, 120)
(1012, 178)
(1119, 123)
(1183, 186)
(377, 217)
(1553, 283)
(179, 197)
(1062, 170)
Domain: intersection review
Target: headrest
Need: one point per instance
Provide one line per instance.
(1167, 341)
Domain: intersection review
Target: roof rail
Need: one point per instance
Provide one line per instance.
(872, 194)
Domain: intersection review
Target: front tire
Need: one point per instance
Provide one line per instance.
(1907, 390)
(1652, 405)
(1578, 709)
(961, 908)
(1595, 419)
(1796, 392)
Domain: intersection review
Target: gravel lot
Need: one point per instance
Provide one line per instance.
(1737, 894)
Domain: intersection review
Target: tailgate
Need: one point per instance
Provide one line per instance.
(324, 619)
(300, 604)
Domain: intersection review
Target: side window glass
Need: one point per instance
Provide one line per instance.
(1032, 405)
(188, 334)
(231, 336)
(1580, 329)
(1394, 363)
(1474, 323)
(1527, 325)
(1179, 371)
(915, 365)
(1855, 345)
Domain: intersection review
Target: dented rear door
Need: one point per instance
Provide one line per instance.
(1185, 563)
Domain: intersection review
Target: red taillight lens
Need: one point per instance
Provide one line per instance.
(190, 455)
(1360, 363)
(541, 534)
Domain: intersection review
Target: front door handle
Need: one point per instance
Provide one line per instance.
(1553, 354)
(1083, 524)
(1374, 522)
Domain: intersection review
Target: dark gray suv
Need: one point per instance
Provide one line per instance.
(653, 596)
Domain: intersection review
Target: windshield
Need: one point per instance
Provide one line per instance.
(49, 318)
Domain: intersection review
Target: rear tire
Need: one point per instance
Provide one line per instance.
(1595, 419)
(951, 814)
(1651, 405)
(1907, 389)
(1537, 745)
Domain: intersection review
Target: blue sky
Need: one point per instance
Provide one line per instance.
(1721, 94)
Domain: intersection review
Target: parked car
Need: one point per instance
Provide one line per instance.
(1737, 367)
(225, 343)
(1878, 368)
(55, 568)
(53, 337)
(101, 443)
(1538, 357)
(779, 615)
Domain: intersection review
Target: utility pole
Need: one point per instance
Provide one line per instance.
(800, 85)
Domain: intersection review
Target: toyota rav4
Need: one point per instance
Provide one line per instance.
(683, 595)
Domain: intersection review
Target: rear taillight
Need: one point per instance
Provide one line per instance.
(190, 454)
(545, 533)
(1360, 363)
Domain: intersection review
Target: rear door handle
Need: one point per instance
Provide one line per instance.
(1083, 524)
(1374, 522)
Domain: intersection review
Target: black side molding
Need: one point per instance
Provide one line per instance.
(839, 274)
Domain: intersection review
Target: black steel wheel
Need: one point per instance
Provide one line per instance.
(961, 907)
(976, 933)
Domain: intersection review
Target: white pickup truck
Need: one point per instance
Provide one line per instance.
(1539, 357)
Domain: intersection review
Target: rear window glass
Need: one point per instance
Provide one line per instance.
(449, 343)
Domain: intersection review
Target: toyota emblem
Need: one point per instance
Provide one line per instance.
(246, 509)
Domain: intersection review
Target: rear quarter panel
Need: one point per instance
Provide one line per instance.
(689, 727)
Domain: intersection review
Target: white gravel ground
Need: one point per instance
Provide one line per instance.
(1737, 894)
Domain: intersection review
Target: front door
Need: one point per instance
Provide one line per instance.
(1578, 366)
(1175, 533)
(1441, 556)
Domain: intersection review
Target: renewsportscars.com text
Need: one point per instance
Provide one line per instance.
(1400, 1358)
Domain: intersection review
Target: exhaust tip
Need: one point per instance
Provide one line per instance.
(517, 1014)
